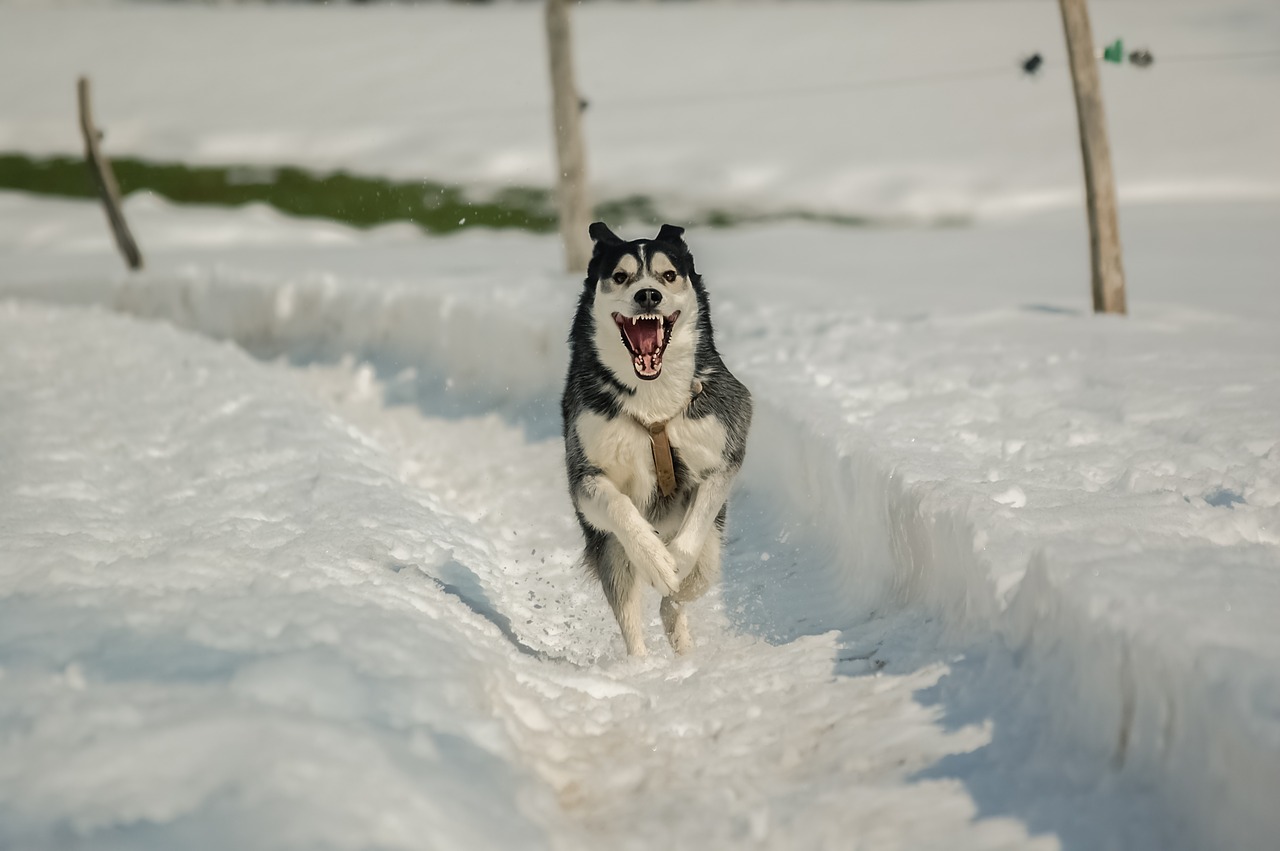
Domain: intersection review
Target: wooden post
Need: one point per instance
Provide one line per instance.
(566, 111)
(1099, 182)
(105, 179)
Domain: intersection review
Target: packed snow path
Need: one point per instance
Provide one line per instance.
(743, 743)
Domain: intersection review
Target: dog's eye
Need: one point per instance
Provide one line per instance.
(668, 276)
(619, 278)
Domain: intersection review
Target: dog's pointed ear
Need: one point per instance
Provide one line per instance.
(671, 234)
(600, 233)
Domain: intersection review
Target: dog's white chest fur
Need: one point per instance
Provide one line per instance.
(622, 449)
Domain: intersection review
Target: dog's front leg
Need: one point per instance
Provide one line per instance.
(687, 544)
(609, 510)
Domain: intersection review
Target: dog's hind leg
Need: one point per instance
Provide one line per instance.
(627, 603)
(676, 625)
(625, 592)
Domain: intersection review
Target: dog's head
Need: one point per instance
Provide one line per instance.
(646, 301)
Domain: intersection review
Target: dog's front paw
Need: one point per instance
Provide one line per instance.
(684, 555)
(662, 567)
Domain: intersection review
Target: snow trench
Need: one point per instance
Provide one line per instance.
(1080, 700)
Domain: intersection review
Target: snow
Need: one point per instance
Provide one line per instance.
(1037, 549)
(870, 109)
(1104, 498)
(286, 559)
(279, 630)
(237, 655)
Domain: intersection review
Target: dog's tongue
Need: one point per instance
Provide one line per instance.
(644, 335)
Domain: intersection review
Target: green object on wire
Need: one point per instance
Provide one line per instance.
(1114, 52)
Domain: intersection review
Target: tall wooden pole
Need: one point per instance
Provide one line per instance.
(105, 179)
(566, 111)
(1099, 182)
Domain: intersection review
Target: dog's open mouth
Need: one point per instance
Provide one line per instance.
(646, 338)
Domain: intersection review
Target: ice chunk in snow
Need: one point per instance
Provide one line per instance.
(1013, 497)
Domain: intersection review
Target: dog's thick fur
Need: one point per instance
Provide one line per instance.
(619, 386)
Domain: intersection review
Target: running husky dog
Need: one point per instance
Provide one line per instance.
(655, 429)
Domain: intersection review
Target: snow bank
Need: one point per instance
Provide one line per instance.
(201, 644)
(868, 109)
(436, 335)
(1101, 496)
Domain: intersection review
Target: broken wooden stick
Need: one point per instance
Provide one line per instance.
(105, 179)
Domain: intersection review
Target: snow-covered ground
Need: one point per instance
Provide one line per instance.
(989, 568)
(888, 110)
(1001, 573)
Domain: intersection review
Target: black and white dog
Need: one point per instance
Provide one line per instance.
(655, 429)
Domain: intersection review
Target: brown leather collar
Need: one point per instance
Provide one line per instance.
(663, 462)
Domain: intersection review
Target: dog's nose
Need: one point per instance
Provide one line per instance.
(648, 299)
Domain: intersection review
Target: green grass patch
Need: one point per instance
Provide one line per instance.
(352, 199)
(342, 197)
